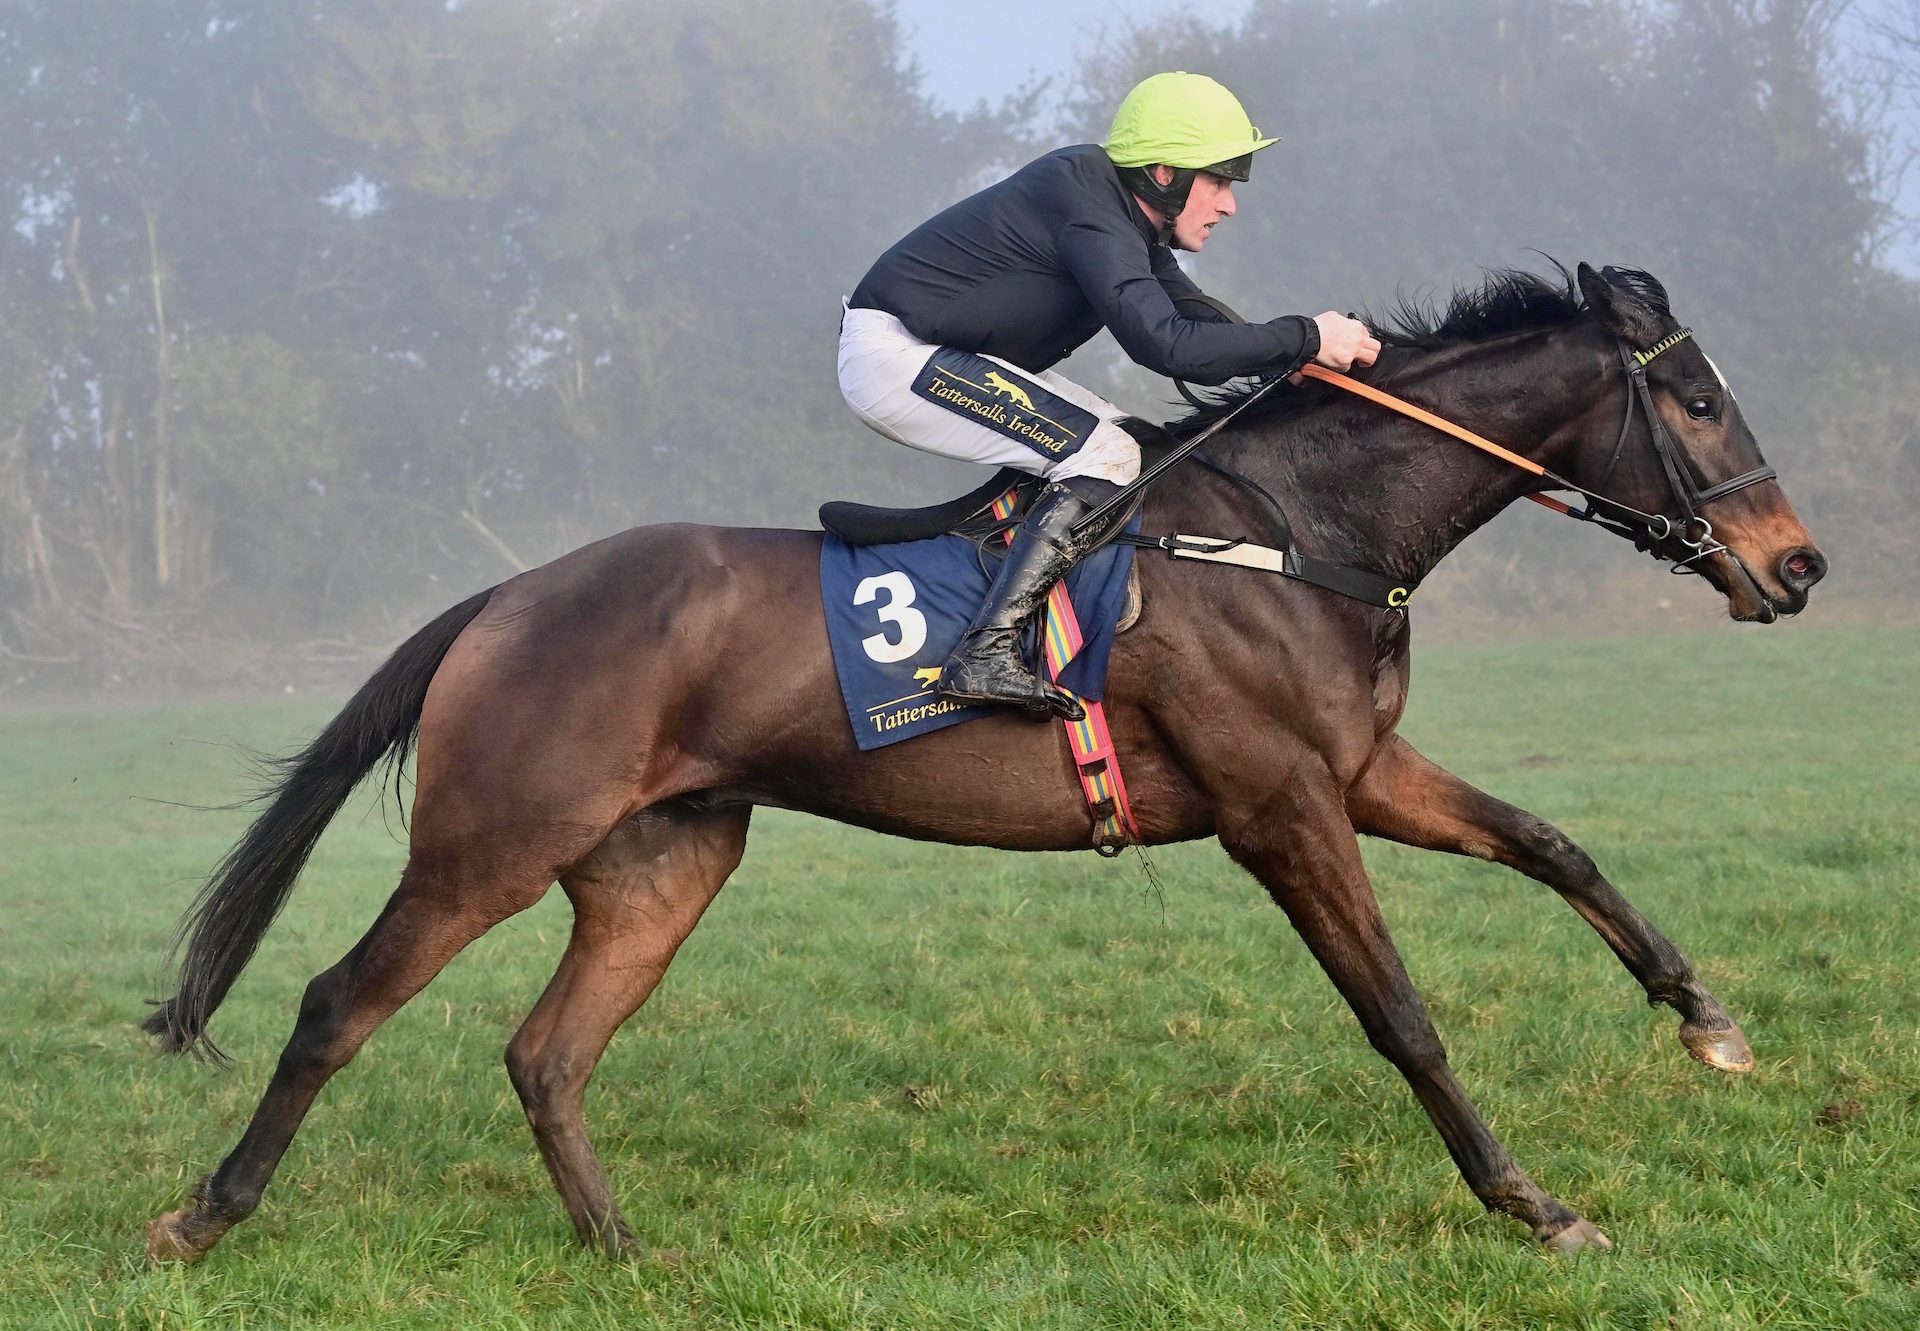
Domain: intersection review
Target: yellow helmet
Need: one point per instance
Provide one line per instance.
(1184, 121)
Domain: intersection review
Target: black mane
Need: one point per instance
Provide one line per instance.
(1509, 300)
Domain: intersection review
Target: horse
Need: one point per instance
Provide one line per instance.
(610, 720)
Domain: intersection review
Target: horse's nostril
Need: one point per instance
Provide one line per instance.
(1802, 568)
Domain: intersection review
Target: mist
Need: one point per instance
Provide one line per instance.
(315, 319)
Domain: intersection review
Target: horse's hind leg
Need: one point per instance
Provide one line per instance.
(440, 907)
(635, 900)
(1404, 797)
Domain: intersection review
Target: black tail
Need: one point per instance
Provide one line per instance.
(248, 887)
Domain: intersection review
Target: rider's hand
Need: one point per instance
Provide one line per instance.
(1344, 343)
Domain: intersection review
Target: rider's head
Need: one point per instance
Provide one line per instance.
(1180, 141)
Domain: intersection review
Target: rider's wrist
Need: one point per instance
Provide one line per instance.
(1309, 332)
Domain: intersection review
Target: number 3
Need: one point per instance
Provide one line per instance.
(898, 609)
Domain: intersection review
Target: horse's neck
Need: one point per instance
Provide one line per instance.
(1396, 496)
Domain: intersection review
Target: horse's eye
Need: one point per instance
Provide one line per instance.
(1701, 409)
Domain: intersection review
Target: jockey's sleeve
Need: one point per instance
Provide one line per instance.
(1123, 281)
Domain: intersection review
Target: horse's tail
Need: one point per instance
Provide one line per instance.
(249, 886)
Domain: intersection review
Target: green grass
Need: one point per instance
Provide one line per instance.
(1127, 1109)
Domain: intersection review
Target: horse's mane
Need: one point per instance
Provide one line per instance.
(1508, 300)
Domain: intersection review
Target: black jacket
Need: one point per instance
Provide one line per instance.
(1032, 267)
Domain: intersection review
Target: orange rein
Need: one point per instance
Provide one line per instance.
(1440, 423)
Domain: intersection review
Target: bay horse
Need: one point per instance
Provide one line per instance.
(610, 720)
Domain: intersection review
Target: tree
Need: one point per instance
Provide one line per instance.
(137, 127)
(355, 295)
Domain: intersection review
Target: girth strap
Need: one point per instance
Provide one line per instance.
(1096, 760)
(1359, 583)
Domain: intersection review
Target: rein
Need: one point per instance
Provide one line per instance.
(1645, 530)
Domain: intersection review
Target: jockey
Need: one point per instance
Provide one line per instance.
(946, 343)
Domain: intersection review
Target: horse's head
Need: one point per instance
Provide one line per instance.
(1715, 504)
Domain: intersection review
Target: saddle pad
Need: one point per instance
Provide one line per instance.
(894, 612)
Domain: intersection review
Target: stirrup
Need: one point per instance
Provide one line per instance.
(992, 673)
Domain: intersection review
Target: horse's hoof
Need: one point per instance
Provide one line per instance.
(167, 1240)
(1577, 1236)
(631, 1249)
(1725, 1049)
(617, 1241)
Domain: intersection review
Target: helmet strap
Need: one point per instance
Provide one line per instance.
(1169, 198)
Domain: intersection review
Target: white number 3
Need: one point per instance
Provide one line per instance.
(898, 609)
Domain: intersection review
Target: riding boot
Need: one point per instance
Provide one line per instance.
(987, 666)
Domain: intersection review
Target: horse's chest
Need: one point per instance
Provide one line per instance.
(1390, 677)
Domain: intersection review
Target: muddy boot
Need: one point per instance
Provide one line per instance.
(987, 666)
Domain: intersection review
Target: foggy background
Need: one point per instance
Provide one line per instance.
(315, 318)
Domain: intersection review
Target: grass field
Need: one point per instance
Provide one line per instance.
(901, 1086)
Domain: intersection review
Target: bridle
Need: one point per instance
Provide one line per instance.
(1647, 531)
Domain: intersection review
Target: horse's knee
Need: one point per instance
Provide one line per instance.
(523, 1071)
(1405, 1037)
(1420, 1056)
(544, 1081)
(1552, 852)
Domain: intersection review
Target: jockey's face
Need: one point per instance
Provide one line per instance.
(1210, 200)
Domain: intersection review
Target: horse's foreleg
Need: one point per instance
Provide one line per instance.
(1404, 797)
(1300, 845)
(436, 911)
(635, 900)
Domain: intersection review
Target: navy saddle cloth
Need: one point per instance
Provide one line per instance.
(895, 610)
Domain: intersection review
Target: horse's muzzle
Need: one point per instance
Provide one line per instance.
(1797, 570)
(1800, 569)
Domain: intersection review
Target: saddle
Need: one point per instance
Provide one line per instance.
(971, 515)
(872, 524)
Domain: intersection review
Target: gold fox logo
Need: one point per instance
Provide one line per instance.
(1005, 387)
(928, 676)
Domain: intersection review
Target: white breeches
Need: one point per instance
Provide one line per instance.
(887, 377)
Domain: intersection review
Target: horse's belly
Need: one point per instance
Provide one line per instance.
(1005, 782)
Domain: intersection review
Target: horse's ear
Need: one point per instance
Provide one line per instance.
(1623, 312)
